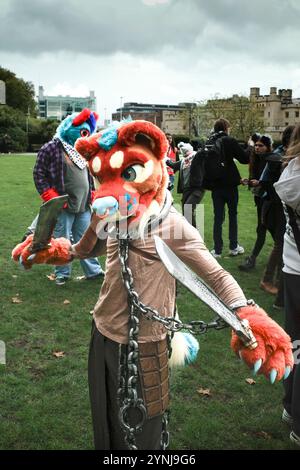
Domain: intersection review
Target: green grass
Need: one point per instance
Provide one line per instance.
(44, 400)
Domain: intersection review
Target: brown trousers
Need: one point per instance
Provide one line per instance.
(103, 370)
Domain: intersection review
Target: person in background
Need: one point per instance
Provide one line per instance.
(262, 148)
(273, 214)
(60, 169)
(288, 189)
(171, 155)
(188, 182)
(225, 190)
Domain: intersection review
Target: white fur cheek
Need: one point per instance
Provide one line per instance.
(129, 188)
(147, 171)
(96, 165)
(116, 160)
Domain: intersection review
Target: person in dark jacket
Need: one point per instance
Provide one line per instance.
(273, 219)
(272, 173)
(258, 161)
(225, 189)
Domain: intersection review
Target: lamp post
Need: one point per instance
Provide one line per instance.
(121, 101)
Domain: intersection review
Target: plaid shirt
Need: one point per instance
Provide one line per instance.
(48, 171)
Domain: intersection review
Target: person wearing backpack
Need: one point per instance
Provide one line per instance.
(288, 189)
(223, 181)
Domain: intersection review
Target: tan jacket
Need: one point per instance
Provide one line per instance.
(152, 282)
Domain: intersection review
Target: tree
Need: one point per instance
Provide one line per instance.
(13, 129)
(40, 131)
(244, 117)
(19, 93)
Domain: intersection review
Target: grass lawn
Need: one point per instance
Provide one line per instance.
(44, 400)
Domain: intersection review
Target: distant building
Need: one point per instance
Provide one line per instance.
(2, 92)
(107, 122)
(58, 107)
(170, 118)
(279, 109)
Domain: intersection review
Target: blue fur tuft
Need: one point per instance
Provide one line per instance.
(109, 136)
(64, 126)
(192, 348)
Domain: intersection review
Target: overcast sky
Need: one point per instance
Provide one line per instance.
(155, 51)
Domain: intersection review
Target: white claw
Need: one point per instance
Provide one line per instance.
(257, 366)
(21, 262)
(287, 372)
(273, 375)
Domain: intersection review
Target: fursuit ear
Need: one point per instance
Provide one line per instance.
(81, 117)
(88, 147)
(146, 134)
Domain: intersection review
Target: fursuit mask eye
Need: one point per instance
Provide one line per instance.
(132, 172)
(84, 133)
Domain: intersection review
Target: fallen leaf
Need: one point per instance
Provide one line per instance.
(263, 434)
(51, 277)
(16, 300)
(66, 302)
(204, 391)
(58, 353)
(250, 381)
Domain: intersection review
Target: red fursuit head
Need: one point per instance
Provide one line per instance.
(127, 163)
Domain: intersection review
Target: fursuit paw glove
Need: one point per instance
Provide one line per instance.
(58, 253)
(273, 356)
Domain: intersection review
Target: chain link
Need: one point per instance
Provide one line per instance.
(165, 435)
(195, 327)
(128, 377)
(127, 392)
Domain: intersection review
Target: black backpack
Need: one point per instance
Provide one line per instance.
(211, 163)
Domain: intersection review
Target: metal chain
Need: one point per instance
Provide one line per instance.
(165, 435)
(196, 327)
(127, 392)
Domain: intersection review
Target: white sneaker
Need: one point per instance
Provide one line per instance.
(239, 250)
(215, 255)
(286, 418)
(295, 438)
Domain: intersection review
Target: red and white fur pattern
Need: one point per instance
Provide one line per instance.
(131, 177)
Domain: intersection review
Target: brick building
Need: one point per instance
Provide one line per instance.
(279, 109)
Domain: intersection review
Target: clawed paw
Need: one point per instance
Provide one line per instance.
(273, 355)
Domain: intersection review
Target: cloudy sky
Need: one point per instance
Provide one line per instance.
(155, 51)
